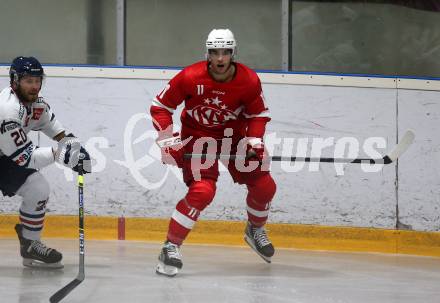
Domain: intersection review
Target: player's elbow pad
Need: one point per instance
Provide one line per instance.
(41, 157)
(162, 119)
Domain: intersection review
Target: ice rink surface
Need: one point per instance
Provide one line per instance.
(123, 271)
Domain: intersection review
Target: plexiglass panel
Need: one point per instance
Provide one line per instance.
(362, 37)
(62, 31)
(173, 32)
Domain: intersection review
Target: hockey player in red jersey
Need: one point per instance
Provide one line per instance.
(222, 99)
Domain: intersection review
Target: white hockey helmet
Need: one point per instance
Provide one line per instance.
(221, 38)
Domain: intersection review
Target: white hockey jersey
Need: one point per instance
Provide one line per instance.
(16, 121)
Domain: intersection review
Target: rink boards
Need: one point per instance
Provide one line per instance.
(107, 108)
(310, 237)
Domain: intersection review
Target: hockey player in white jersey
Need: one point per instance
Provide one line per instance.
(22, 109)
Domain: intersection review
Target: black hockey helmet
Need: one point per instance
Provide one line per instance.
(22, 66)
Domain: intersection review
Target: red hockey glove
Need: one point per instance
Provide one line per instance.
(256, 150)
(171, 149)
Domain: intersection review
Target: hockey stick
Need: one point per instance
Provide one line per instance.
(60, 294)
(390, 157)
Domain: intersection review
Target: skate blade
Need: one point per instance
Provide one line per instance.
(38, 264)
(166, 270)
(251, 244)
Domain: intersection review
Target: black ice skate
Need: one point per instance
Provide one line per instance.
(36, 254)
(257, 239)
(170, 260)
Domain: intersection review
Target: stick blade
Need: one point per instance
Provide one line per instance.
(402, 146)
(60, 294)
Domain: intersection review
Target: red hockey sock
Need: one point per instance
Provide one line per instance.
(261, 192)
(200, 194)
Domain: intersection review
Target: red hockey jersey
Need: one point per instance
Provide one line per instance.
(212, 106)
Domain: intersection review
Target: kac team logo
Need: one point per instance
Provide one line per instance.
(212, 113)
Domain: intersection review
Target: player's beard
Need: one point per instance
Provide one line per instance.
(26, 97)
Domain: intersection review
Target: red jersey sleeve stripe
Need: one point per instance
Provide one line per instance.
(157, 103)
(263, 114)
